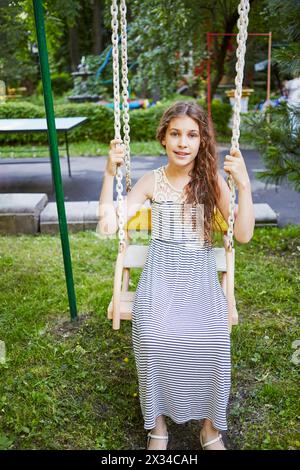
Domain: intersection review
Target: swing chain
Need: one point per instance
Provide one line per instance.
(119, 175)
(125, 108)
(242, 25)
(115, 53)
(126, 127)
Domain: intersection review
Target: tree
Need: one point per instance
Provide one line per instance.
(16, 60)
(287, 14)
(160, 36)
(277, 138)
(164, 33)
(98, 6)
(276, 133)
(18, 38)
(228, 15)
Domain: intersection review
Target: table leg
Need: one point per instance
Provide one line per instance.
(68, 155)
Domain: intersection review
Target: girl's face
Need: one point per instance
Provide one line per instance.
(182, 140)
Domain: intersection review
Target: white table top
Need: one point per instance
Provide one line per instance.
(28, 125)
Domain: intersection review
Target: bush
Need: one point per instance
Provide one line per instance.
(100, 125)
(61, 82)
(276, 135)
(144, 124)
(259, 96)
(221, 113)
(21, 110)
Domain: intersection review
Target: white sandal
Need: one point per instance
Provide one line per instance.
(155, 436)
(219, 438)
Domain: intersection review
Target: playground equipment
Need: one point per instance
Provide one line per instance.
(130, 255)
(133, 104)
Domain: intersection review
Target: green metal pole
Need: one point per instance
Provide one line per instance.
(55, 164)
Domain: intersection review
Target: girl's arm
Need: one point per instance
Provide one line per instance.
(244, 213)
(108, 221)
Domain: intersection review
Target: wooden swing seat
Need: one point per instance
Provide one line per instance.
(134, 256)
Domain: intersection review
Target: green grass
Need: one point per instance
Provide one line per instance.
(92, 148)
(74, 385)
(78, 149)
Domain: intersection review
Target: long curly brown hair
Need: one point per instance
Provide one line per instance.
(203, 186)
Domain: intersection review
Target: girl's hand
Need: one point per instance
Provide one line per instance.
(235, 165)
(116, 156)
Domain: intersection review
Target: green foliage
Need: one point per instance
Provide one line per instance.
(99, 126)
(221, 113)
(143, 122)
(257, 97)
(90, 84)
(60, 82)
(160, 40)
(167, 40)
(288, 59)
(18, 66)
(287, 15)
(100, 121)
(94, 84)
(16, 63)
(20, 110)
(276, 135)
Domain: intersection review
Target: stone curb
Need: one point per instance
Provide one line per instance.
(20, 212)
(30, 213)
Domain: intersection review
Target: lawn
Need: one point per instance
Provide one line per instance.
(78, 149)
(92, 148)
(74, 385)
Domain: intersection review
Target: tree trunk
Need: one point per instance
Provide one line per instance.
(220, 61)
(73, 47)
(230, 23)
(97, 26)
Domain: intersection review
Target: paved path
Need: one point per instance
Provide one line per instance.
(85, 184)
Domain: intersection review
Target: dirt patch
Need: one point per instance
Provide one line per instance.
(67, 328)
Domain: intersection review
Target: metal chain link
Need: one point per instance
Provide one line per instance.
(126, 127)
(125, 107)
(242, 25)
(115, 53)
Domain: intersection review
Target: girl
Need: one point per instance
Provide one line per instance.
(180, 333)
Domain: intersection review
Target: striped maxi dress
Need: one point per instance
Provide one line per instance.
(180, 334)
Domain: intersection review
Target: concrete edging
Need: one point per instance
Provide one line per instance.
(30, 214)
(20, 212)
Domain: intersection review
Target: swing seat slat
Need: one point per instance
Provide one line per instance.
(126, 303)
